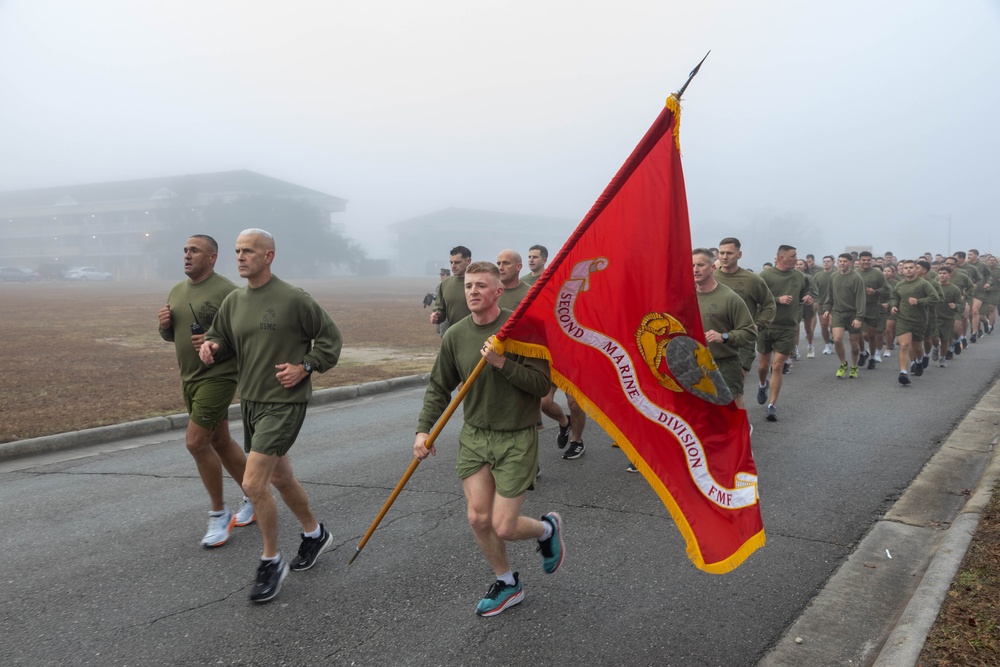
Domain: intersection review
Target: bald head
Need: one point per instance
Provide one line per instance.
(509, 263)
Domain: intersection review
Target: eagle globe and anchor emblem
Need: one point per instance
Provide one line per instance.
(668, 351)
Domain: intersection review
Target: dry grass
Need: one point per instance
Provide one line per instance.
(967, 630)
(79, 355)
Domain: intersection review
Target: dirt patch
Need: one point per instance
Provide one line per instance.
(967, 630)
(83, 355)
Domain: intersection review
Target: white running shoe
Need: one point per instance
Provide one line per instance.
(219, 528)
(828, 348)
(878, 356)
(245, 514)
(810, 353)
(888, 353)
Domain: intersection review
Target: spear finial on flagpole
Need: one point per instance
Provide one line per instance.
(680, 92)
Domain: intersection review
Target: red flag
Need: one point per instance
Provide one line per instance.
(616, 315)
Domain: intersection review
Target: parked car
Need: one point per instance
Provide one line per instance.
(52, 271)
(17, 274)
(87, 273)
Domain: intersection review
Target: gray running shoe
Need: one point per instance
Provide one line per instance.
(219, 528)
(245, 514)
(762, 392)
(772, 413)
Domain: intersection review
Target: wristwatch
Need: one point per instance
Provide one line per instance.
(307, 367)
(725, 338)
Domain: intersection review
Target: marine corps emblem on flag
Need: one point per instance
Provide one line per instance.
(665, 349)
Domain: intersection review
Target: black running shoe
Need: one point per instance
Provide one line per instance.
(958, 347)
(270, 574)
(575, 450)
(862, 359)
(310, 549)
(950, 354)
(972, 338)
(904, 379)
(563, 436)
(918, 369)
(871, 364)
(925, 362)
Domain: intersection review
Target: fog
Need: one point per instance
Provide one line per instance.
(822, 125)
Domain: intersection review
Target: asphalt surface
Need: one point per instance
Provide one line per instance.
(865, 491)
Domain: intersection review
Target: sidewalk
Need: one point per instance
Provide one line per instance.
(918, 545)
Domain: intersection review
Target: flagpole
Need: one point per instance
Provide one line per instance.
(697, 67)
(413, 465)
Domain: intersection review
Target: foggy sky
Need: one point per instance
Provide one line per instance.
(821, 125)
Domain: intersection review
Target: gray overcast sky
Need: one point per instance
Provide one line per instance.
(817, 124)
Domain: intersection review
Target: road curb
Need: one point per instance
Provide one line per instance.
(154, 425)
(907, 639)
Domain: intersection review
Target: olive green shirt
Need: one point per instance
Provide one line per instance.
(511, 297)
(922, 291)
(186, 300)
(782, 283)
(450, 299)
(507, 399)
(753, 290)
(724, 311)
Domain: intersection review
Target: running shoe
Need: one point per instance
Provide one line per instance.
(219, 528)
(772, 413)
(904, 379)
(888, 352)
(575, 450)
(935, 355)
(762, 392)
(501, 596)
(563, 436)
(950, 355)
(878, 357)
(796, 356)
(270, 574)
(787, 368)
(810, 353)
(828, 348)
(871, 363)
(842, 371)
(245, 514)
(942, 364)
(854, 373)
(972, 338)
(631, 467)
(862, 359)
(958, 347)
(918, 369)
(925, 362)
(552, 549)
(310, 549)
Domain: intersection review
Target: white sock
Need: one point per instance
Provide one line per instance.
(272, 559)
(313, 535)
(220, 512)
(546, 531)
(507, 578)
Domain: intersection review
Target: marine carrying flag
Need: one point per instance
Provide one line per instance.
(616, 315)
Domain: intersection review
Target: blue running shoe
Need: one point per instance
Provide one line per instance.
(500, 597)
(552, 548)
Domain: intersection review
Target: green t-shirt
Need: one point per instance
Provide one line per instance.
(950, 294)
(724, 311)
(205, 299)
(874, 279)
(846, 295)
(273, 324)
(529, 279)
(783, 283)
(507, 399)
(754, 292)
(511, 297)
(922, 291)
(822, 279)
(450, 299)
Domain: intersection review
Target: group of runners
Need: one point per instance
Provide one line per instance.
(927, 309)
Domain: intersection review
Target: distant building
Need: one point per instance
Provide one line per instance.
(423, 242)
(114, 225)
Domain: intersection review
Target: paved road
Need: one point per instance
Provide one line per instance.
(102, 564)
